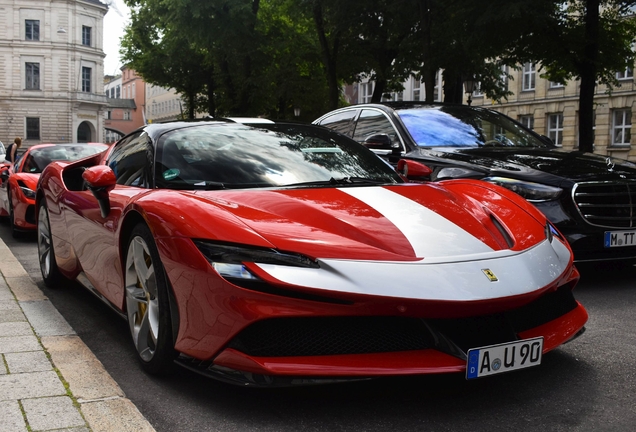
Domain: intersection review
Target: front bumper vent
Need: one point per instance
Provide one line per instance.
(316, 336)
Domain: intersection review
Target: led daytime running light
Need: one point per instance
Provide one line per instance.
(230, 254)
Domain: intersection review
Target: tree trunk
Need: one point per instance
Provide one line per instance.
(378, 90)
(428, 70)
(191, 102)
(588, 77)
(328, 57)
(228, 82)
(211, 87)
(453, 87)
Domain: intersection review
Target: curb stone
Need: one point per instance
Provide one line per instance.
(49, 379)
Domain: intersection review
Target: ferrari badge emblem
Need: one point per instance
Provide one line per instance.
(490, 275)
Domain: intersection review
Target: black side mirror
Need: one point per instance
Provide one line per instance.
(378, 142)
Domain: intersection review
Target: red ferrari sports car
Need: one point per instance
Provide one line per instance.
(18, 181)
(280, 254)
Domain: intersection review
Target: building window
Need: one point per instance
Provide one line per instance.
(366, 92)
(417, 89)
(529, 79)
(126, 115)
(117, 92)
(32, 78)
(109, 115)
(622, 127)
(86, 36)
(527, 121)
(437, 91)
(32, 128)
(554, 85)
(504, 77)
(555, 128)
(477, 92)
(86, 79)
(32, 30)
(626, 74)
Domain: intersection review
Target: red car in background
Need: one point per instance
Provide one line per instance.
(18, 182)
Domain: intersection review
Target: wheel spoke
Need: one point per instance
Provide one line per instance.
(44, 242)
(141, 299)
(144, 267)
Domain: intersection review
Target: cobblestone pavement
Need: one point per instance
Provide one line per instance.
(49, 379)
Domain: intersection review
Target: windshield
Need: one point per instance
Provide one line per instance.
(240, 156)
(37, 159)
(461, 126)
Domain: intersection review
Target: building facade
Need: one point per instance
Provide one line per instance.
(552, 109)
(163, 104)
(51, 69)
(127, 105)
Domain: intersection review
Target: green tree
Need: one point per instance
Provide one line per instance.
(164, 56)
(473, 39)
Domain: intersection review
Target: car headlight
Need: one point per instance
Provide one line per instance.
(29, 193)
(229, 260)
(533, 192)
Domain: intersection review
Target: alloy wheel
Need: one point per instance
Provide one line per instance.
(142, 301)
(44, 242)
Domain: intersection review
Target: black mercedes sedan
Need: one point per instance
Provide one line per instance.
(591, 198)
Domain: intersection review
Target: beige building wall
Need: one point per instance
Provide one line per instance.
(163, 104)
(546, 99)
(59, 104)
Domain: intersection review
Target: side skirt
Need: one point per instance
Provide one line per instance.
(82, 279)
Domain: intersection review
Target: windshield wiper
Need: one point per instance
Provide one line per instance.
(359, 180)
(209, 185)
(339, 181)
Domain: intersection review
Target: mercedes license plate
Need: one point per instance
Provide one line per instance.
(620, 238)
(506, 357)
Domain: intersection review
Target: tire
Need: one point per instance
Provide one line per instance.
(147, 304)
(46, 255)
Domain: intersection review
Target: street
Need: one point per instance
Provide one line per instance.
(586, 385)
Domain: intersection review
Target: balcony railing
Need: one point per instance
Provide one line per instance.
(89, 97)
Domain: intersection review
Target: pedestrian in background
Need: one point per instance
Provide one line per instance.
(13, 149)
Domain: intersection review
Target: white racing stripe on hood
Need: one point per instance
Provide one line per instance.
(430, 234)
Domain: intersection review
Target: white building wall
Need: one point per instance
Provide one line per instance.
(59, 103)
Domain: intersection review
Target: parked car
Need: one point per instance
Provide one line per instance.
(280, 254)
(589, 197)
(18, 181)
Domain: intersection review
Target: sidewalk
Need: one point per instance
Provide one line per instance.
(49, 379)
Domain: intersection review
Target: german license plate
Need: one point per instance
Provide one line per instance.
(620, 238)
(506, 357)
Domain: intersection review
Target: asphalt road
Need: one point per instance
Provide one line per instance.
(586, 385)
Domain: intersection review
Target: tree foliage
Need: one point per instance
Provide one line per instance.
(267, 57)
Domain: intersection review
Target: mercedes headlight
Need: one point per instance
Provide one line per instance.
(533, 192)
